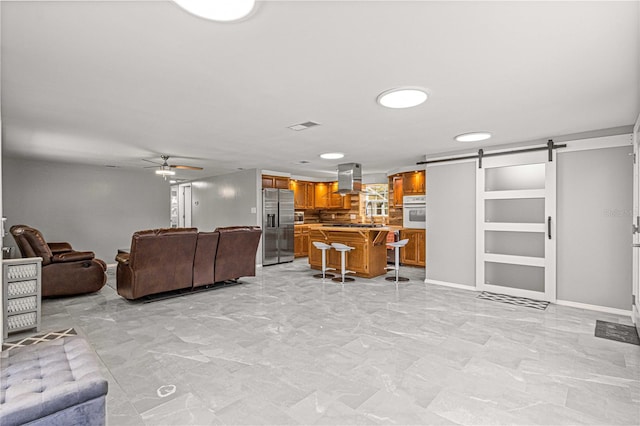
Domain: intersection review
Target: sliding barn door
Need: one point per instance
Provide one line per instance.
(635, 226)
(516, 238)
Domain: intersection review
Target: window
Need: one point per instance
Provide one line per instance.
(376, 200)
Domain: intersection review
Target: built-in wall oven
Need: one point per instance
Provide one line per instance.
(414, 211)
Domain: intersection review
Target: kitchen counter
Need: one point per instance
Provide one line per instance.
(369, 257)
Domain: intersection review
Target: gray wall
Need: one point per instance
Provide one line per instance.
(93, 208)
(594, 227)
(451, 223)
(225, 200)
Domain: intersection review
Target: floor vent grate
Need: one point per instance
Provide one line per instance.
(513, 300)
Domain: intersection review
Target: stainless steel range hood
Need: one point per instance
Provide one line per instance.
(349, 178)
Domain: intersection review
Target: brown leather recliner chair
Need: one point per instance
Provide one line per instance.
(160, 260)
(65, 272)
(236, 254)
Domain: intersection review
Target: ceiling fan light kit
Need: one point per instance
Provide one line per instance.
(165, 172)
(165, 169)
(332, 155)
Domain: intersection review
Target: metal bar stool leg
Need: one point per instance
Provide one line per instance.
(343, 249)
(396, 246)
(323, 247)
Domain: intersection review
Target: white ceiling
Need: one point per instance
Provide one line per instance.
(115, 82)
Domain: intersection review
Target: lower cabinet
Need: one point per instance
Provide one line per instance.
(301, 241)
(415, 252)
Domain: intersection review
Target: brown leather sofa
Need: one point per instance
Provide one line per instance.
(159, 260)
(65, 272)
(180, 258)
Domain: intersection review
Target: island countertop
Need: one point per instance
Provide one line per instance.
(353, 228)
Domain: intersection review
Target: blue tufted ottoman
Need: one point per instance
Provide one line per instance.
(53, 383)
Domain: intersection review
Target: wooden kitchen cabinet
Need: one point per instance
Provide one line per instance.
(368, 258)
(395, 190)
(337, 201)
(279, 182)
(303, 194)
(301, 240)
(326, 198)
(321, 199)
(413, 183)
(415, 252)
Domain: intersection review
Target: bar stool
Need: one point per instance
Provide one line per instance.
(324, 247)
(343, 249)
(396, 245)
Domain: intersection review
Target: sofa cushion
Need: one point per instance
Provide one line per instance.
(204, 260)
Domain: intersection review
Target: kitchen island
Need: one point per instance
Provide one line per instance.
(367, 260)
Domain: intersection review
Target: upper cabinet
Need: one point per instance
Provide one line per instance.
(413, 183)
(279, 182)
(337, 201)
(326, 197)
(303, 194)
(408, 183)
(321, 200)
(395, 190)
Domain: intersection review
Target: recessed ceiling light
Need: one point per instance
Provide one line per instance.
(218, 10)
(473, 137)
(402, 97)
(332, 155)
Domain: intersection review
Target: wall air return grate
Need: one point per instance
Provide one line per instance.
(303, 126)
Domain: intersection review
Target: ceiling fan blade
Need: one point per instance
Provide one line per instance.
(177, 166)
(149, 161)
(151, 167)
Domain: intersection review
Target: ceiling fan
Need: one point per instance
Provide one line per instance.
(165, 169)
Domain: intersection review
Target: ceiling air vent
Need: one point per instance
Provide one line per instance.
(303, 126)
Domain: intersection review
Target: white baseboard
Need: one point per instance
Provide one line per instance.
(448, 284)
(598, 308)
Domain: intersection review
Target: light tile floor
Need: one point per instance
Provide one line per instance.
(284, 348)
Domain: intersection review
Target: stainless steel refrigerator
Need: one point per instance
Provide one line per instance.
(277, 226)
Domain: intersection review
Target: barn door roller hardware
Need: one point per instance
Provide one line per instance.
(550, 146)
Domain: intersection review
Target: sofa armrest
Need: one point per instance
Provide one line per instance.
(59, 247)
(72, 256)
(122, 258)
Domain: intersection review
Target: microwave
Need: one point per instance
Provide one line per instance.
(414, 211)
